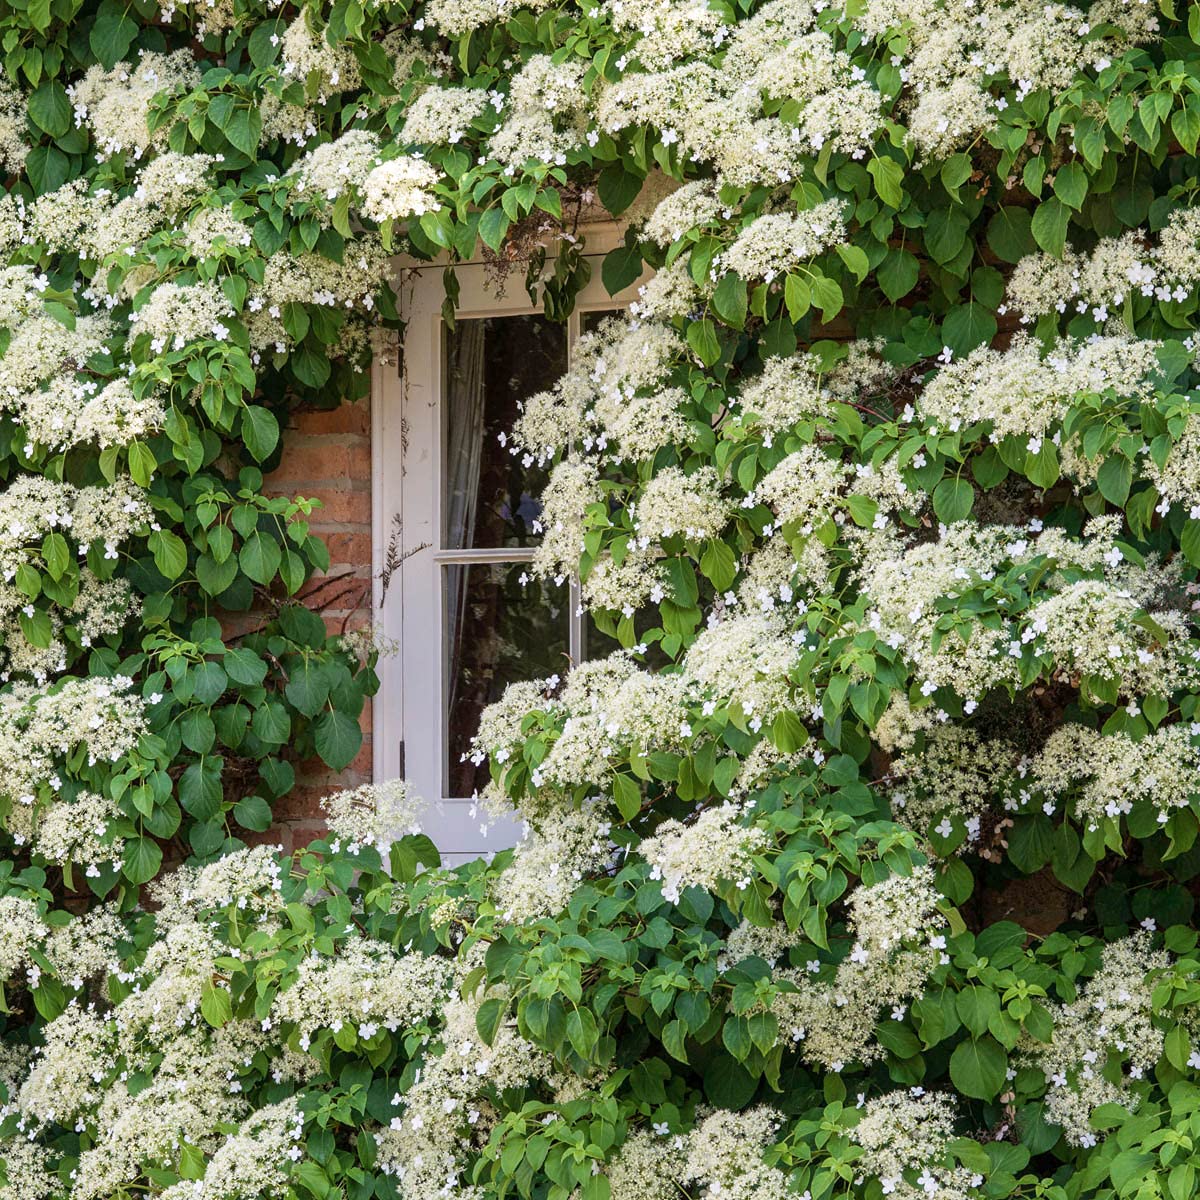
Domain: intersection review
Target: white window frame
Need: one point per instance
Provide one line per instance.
(406, 450)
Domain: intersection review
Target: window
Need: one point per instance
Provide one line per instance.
(454, 520)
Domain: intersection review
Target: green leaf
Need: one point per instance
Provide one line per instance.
(946, 233)
(1042, 468)
(214, 577)
(1178, 1047)
(253, 813)
(956, 170)
(888, 176)
(788, 733)
(488, 1018)
(1114, 479)
(827, 296)
(898, 274)
(200, 788)
(142, 463)
(308, 688)
(259, 557)
(621, 267)
(727, 1084)
(493, 227)
(855, 259)
(36, 628)
(56, 554)
(1185, 122)
(797, 296)
(628, 796)
(702, 338)
(141, 860)
(967, 326)
(1189, 541)
(730, 301)
(718, 565)
(1009, 234)
(47, 168)
(244, 130)
(581, 1032)
(50, 108)
(978, 1066)
(1071, 185)
(112, 35)
(216, 1005)
(1031, 843)
(618, 188)
(243, 666)
(170, 553)
(338, 738)
(953, 499)
(260, 431)
(1049, 226)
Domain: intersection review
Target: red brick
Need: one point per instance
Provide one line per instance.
(347, 547)
(348, 418)
(342, 507)
(303, 464)
(360, 461)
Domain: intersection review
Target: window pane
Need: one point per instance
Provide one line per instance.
(489, 498)
(498, 631)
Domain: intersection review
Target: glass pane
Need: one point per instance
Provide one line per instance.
(498, 630)
(490, 498)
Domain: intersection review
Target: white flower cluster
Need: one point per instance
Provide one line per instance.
(1098, 776)
(14, 142)
(375, 814)
(616, 397)
(777, 243)
(544, 110)
(1100, 282)
(724, 1158)
(1020, 392)
(115, 105)
(1087, 618)
(898, 942)
(251, 1162)
(905, 1140)
(33, 507)
(175, 314)
(400, 188)
(674, 503)
(448, 1113)
(555, 854)
(1108, 1029)
(717, 846)
(21, 929)
(368, 987)
(39, 729)
(957, 54)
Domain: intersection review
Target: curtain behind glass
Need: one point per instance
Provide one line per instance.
(463, 441)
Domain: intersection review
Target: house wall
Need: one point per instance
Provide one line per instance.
(327, 456)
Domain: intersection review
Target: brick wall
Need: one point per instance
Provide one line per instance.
(327, 456)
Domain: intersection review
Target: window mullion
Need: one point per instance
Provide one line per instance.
(575, 622)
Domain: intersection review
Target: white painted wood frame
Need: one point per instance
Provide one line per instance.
(410, 728)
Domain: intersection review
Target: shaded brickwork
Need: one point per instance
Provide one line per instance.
(327, 456)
